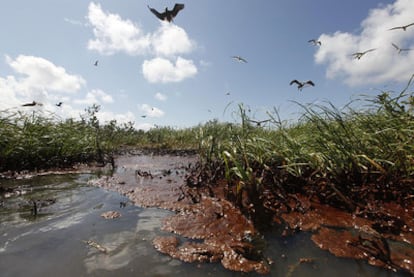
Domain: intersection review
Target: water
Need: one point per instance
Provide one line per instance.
(52, 243)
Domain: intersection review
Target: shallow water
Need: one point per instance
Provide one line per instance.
(52, 243)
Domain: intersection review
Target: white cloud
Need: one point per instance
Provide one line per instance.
(38, 79)
(382, 65)
(40, 74)
(113, 34)
(34, 80)
(170, 40)
(95, 96)
(162, 70)
(161, 97)
(150, 111)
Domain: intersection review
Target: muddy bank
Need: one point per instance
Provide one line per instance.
(209, 228)
(386, 242)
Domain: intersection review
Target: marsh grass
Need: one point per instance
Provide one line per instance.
(30, 141)
(338, 152)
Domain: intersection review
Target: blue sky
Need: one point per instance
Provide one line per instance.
(181, 74)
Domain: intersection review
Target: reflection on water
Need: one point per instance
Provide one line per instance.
(52, 243)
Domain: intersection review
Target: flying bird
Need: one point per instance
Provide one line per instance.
(315, 42)
(96, 63)
(59, 104)
(259, 123)
(358, 55)
(143, 116)
(167, 15)
(404, 28)
(239, 59)
(301, 85)
(34, 103)
(399, 50)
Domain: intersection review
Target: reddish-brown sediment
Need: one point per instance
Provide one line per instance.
(365, 244)
(385, 243)
(209, 228)
(221, 231)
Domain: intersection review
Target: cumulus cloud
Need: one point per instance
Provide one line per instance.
(37, 79)
(95, 96)
(164, 71)
(34, 79)
(41, 74)
(150, 111)
(382, 65)
(171, 39)
(161, 97)
(113, 34)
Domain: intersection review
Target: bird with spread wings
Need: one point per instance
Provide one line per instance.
(358, 55)
(301, 85)
(167, 15)
(315, 42)
(239, 59)
(404, 28)
(399, 49)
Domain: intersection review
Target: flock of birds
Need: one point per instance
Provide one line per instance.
(356, 55)
(359, 55)
(169, 15)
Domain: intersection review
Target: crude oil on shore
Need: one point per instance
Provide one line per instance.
(195, 231)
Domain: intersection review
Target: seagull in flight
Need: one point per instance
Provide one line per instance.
(59, 104)
(167, 15)
(404, 28)
(301, 85)
(96, 63)
(400, 49)
(315, 42)
(358, 55)
(239, 59)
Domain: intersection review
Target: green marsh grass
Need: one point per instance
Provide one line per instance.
(338, 151)
(335, 150)
(30, 141)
